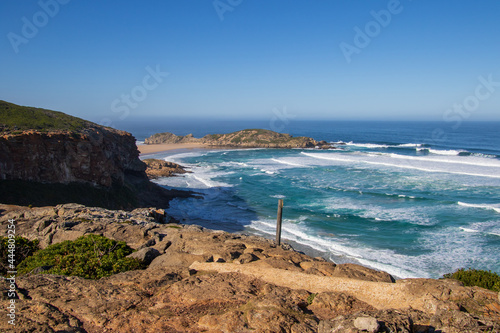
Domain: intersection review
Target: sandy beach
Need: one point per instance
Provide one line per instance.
(156, 148)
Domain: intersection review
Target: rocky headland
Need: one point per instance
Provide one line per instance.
(48, 157)
(200, 280)
(249, 138)
(194, 280)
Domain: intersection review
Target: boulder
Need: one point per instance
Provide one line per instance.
(146, 255)
(368, 324)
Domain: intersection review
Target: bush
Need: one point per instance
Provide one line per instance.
(475, 277)
(20, 249)
(90, 257)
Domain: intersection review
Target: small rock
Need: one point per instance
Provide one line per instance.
(148, 243)
(246, 258)
(146, 255)
(369, 324)
(41, 269)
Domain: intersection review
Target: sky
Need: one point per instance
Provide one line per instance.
(111, 61)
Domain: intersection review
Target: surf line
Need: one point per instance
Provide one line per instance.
(402, 166)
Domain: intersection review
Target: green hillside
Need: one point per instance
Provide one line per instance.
(18, 118)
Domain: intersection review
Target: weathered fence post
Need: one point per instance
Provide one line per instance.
(278, 225)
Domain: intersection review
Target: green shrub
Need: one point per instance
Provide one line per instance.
(90, 257)
(20, 249)
(311, 298)
(475, 277)
(17, 118)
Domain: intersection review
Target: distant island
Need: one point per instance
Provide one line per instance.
(248, 138)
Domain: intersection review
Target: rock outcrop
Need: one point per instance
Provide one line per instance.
(48, 157)
(96, 155)
(160, 168)
(249, 138)
(204, 281)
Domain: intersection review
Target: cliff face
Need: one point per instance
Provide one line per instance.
(49, 158)
(98, 156)
(249, 138)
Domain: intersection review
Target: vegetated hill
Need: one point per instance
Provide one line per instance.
(248, 138)
(20, 118)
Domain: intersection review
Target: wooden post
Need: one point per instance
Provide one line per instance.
(278, 225)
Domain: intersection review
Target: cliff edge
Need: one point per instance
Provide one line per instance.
(48, 157)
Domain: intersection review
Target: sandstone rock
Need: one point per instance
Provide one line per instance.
(169, 296)
(146, 255)
(328, 305)
(359, 272)
(246, 258)
(368, 324)
(96, 155)
(160, 168)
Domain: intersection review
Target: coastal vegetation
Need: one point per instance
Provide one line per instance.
(476, 277)
(248, 138)
(90, 257)
(16, 118)
(12, 256)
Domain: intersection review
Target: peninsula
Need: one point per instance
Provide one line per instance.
(248, 138)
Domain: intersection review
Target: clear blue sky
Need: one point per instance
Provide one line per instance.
(247, 57)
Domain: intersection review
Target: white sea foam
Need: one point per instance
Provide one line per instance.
(412, 215)
(468, 230)
(200, 178)
(467, 160)
(376, 145)
(480, 169)
(342, 250)
(496, 208)
(366, 145)
(409, 145)
(287, 162)
(445, 152)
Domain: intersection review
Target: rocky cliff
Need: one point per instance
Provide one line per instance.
(47, 157)
(200, 280)
(249, 138)
(96, 155)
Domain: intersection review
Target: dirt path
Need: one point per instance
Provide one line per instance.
(380, 295)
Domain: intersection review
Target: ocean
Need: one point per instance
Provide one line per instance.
(415, 199)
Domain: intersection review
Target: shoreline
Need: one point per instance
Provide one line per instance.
(158, 148)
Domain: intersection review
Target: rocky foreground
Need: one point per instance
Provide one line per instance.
(249, 138)
(201, 280)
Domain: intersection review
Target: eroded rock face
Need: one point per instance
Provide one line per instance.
(169, 296)
(96, 155)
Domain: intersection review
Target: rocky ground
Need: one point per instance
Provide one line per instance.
(201, 280)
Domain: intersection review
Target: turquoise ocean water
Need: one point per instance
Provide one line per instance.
(415, 199)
